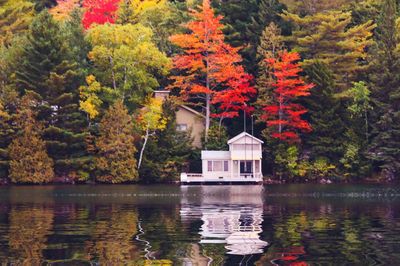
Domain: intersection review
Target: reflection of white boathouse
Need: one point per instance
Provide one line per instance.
(231, 216)
(242, 163)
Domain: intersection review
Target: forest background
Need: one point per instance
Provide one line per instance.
(320, 80)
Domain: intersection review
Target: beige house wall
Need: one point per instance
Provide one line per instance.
(194, 122)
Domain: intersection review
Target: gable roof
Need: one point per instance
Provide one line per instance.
(192, 110)
(244, 134)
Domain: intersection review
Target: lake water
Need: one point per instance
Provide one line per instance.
(200, 225)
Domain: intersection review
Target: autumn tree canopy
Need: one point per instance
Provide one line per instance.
(210, 69)
(283, 115)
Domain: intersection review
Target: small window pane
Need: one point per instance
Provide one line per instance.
(209, 166)
(181, 127)
(217, 167)
(226, 166)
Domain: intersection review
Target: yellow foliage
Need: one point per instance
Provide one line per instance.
(90, 102)
(152, 115)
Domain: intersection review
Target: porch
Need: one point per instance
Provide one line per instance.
(227, 178)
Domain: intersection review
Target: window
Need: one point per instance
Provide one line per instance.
(226, 166)
(217, 166)
(181, 127)
(209, 166)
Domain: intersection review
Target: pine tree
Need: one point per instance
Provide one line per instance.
(271, 44)
(327, 37)
(385, 135)
(116, 161)
(15, 17)
(168, 152)
(43, 4)
(29, 161)
(47, 68)
(237, 19)
(324, 112)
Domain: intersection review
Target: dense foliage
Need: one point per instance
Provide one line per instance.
(321, 79)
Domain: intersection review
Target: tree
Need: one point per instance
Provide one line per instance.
(325, 112)
(47, 67)
(126, 60)
(385, 93)
(327, 37)
(99, 12)
(168, 151)
(29, 161)
(237, 18)
(284, 115)
(116, 161)
(210, 68)
(217, 138)
(360, 104)
(151, 119)
(271, 44)
(15, 17)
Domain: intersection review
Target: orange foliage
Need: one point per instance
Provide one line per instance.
(284, 116)
(208, 66)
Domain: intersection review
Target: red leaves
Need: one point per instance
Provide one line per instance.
(99, 12)
(211, 67)
(283, 115)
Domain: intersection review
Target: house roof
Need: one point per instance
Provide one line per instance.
(191, 110)
(243, 134)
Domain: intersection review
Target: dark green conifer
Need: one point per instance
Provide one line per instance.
(47, 67)
(385, 135)
(324, 111)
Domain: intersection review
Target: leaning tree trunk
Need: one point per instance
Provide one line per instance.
(143, 147)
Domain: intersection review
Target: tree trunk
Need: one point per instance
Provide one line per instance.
(112, 73)
(208, 100)
(144, 146)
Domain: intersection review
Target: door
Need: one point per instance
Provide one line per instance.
(246, 167)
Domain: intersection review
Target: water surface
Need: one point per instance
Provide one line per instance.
(200, 225)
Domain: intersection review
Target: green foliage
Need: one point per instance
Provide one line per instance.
(116, 161)
(327, 37)
(47, 66)
(168, 151)
(385, 93)
(325, 115)
(126, 60)
(15, 17)
(217, 138)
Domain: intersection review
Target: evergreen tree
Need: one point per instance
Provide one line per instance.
(15, 17)
(116, 161)
(324, 111)
(327, 37)
(237, 20)
(29, 161)
(168, 152)
(46, 68)
(217, 138)
(385, 146)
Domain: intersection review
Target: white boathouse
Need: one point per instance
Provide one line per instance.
(242, 163)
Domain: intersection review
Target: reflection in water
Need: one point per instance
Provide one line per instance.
(200, 225)
(111, 242)
(236, 226)
(29, 227)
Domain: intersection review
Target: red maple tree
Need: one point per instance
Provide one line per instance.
(99, 12)
(209, 68)
(283, 116)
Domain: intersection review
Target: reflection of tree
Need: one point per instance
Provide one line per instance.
(29, 227)
(112, 237)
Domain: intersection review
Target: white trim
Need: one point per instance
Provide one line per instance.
(244, 134)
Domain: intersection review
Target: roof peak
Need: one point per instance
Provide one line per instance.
(243, 134)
